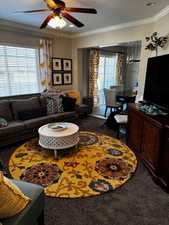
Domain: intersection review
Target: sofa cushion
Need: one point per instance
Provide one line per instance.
(38, 122)
(5, 110)
(43, 101)
(24, 104)
(12, 200)
(31, 113)
(62, 116)
(12, 128)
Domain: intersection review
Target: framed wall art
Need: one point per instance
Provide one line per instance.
(57, 64)
(67, 64)
(57, 79)
(67, 78)
(61, 71)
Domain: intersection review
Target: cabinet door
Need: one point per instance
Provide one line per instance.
(135, 125)
(164, 167)
(151, 143)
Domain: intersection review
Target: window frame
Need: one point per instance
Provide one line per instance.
(37, 68)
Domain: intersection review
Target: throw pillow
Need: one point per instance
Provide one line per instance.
(57, 105)
(31, 113)
(68, 104)
(49, 106)
(24, 104)
(12, 200)
(54, 105)
(3, 122)
(76, 95)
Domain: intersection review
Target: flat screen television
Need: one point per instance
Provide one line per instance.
(156, 89)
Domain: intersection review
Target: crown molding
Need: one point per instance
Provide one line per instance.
(32, 30)
(153, 19)
(114, 27)
(161, 14)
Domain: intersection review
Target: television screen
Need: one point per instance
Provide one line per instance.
(157, 81)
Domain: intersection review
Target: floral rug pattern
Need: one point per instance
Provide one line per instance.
(101, 164)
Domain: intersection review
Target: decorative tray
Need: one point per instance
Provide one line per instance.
(57, 126)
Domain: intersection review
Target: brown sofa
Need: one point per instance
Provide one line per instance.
(19, 128)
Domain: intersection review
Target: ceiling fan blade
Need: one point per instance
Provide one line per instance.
(33, 11)
(45, 22)
(81, 10)
(72, 20)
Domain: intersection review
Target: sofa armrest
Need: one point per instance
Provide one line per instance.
(30, 215)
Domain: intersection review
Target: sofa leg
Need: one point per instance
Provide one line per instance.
(41, 219)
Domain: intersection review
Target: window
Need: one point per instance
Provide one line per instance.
(107, 74)
(18, 71)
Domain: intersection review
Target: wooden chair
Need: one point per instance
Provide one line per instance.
(110, 100)
(121, 121)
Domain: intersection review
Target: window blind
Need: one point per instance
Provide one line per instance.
(18, 71)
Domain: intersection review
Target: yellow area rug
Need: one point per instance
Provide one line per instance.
(101, 164)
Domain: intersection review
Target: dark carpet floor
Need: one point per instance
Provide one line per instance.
(138, 202)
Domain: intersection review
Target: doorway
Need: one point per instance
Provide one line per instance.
(107, 70)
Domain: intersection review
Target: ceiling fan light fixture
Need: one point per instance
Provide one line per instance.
(56, 21)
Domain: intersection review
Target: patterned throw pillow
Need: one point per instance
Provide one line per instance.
(12, 200)
(3, 122)
(54, 105)
(57, 105)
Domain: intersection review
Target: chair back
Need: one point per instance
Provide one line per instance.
(118, 88)
(110, 96)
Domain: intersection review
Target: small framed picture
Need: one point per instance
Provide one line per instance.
(57, 78)
(67, 78)
(57, 64)
(67, 64)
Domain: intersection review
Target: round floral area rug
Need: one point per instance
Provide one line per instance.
(101, 164)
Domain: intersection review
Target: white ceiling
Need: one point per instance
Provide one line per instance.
(110, 12)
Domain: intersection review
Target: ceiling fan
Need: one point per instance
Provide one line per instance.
(59, 10)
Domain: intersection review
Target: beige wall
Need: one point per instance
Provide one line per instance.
(121, 36)
(110, 38)
(62, 47)
(18, 39)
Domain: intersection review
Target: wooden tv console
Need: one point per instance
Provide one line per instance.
(148, 136)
